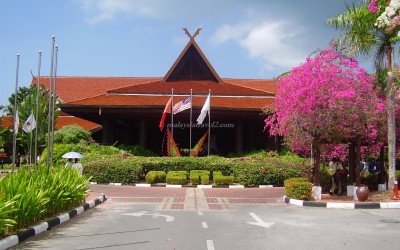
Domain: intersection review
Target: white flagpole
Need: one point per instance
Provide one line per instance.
(209, 121)
(190, 123)
(37, 108)
(172, 113)
(15, 115)
(49, 151)
(54, 102)
(30, 144)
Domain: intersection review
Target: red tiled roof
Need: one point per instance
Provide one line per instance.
(7, 122)
(72, 88)
(160, 101)
(183, 87)
(69, 120)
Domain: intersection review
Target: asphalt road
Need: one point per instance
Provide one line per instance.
(192, 223)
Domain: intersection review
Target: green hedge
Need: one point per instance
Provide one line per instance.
(269, 171)
(220, 179)
(155, 177)
(177, 177)
(298, 188)
(196, 177)
(114, 169)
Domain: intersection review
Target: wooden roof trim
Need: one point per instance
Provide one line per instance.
(184, 51)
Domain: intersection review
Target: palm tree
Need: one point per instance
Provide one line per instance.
(363, 37)
(26, 97)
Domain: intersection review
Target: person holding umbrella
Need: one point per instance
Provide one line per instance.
(78, 166)
(75, 163)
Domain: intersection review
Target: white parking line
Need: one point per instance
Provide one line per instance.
(210, 245)
(204, 224)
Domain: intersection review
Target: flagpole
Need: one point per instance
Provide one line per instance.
(172, 113)
(15, 116)
(190, 123)
(54, 102)
(209, 121)
(37, 108)
(30, 147)
(50, 102)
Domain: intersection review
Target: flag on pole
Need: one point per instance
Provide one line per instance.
(182, 105)
(172, 148)
(16, 122)
(167, 110)
(204, 110)
(196, 149)
(30, 124)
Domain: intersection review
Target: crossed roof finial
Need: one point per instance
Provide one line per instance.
(194, 35)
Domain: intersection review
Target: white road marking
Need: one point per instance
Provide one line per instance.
(210, 245)
(259, 221)
(168, 218)
(200, 213)
(204, 224)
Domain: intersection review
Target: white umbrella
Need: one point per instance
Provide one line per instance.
(72, 155)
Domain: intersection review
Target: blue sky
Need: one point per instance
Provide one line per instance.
(241, 38)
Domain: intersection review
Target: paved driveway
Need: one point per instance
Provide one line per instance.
(191, 199)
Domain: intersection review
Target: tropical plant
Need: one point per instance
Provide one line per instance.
(372, 28)
(26, 103)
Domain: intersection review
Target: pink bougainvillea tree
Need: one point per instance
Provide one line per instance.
(328, 99)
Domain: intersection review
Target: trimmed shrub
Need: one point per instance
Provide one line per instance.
(114, 169)
(177, 177)
(196, 175)
(220, 179)
(205, 179)
(298, 188)
(155, 177)
(269, 171)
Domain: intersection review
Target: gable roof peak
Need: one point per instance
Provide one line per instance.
(191, 64)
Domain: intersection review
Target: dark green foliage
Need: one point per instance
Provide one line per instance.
(177, 177)
(155, 177)
(298, 188)
(71, 134)
(114, 169)
(269, 171)
(137, 150)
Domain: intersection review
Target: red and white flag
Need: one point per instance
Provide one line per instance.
(182, 105)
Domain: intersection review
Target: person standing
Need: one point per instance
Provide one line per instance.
(78, 166)
(70, 162)
(336, 177)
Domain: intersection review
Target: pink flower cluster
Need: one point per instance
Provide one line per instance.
(328, 98)
(372, 6)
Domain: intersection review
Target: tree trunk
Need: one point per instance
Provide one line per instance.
(352, 163)
(317, 160)
(383, 175)
(390, 107)
(358, 159)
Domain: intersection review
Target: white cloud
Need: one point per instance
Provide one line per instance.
(277, 44)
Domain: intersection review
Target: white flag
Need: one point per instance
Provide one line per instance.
(30, 124)
(16, 122)
(204, 110)
(182, 105)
